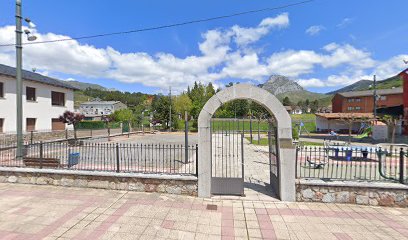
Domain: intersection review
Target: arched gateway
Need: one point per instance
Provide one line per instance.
(285, 148)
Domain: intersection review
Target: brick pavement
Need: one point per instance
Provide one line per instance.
(46, 212)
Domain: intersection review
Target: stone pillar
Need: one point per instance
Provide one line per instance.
(287, 166)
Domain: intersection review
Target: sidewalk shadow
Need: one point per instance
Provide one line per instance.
(264, 188)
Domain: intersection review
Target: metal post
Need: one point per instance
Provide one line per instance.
(196, 153)
(19, 80)
(117, 158)
(250, 127)
(170, 111)
(375, 97)
(31, 137)
(186, 136)
(41, 154)
(242, 157)
(259, 135)
(401, 166)
(142, 123)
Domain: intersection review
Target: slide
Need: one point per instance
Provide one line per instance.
(365, 133)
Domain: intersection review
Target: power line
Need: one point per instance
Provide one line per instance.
(165, 26)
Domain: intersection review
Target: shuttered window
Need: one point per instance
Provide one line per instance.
(30, 94)
(30, 124)
(1, 90)
(57, 98)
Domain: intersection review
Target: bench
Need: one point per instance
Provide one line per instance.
(42, 162)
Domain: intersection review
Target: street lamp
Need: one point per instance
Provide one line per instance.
(19, 80)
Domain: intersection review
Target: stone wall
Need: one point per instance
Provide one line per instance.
(184, 185)
(363, 193)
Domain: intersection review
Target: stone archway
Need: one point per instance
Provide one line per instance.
(287, 152)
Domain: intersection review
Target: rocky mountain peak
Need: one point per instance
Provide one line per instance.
(278, 84)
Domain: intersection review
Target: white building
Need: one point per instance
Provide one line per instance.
(44, 100)
(94, 110)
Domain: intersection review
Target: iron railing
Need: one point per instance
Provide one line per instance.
(107, 157)
(346, 163)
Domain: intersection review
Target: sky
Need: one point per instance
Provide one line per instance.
(323, 45)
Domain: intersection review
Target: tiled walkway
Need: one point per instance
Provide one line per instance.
(45, 212)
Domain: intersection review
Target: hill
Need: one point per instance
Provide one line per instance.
(282, 87)
(362, 85)
(83, 86)
(357, 86)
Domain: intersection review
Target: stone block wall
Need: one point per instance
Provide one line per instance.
(362, 193)
(127, 182)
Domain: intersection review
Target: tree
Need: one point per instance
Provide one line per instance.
(392, 123)
(73, 119)
(182, 103)
(107, 120)
(161, 110)
(314, 106)
(286, 101)
(350, 119)
(123, 115)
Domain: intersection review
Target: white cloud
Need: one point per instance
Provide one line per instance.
(314, 30)
(244, 36)
(224, 53)
(345, 22)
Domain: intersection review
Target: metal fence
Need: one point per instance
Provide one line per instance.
(107, 157)
(345, 163)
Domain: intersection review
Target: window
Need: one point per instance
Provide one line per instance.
(358, 108)
(358, 99)
(30, 124)
(350, 108)
(57, 125)
(1, 90)
(57, 98)
(30, 94)
(1, 124)
(350, 100)
(383, 98)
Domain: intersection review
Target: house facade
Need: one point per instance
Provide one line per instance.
(94, 110)
(44, 100)
(363, 101)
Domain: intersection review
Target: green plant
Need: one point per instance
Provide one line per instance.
(295, 133)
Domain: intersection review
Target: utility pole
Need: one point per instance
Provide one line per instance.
(375, 97)
(19, 81)
(170, 111)
(186, 136)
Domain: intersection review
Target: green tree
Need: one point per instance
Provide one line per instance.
(123, 115)
(182, 103)
(161, 111)
(314, 106)
(286, 101)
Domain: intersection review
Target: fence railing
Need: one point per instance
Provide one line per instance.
(347, 163)
(107, 157)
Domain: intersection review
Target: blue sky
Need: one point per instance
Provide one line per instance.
(323, 45)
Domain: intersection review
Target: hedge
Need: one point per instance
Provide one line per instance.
(96, 125)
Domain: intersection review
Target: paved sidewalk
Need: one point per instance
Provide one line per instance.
(46, 212)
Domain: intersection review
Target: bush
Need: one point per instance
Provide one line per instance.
(295, 133)
(91, 125)
(96, 125)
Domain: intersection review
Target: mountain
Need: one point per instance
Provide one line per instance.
(83, 86)
(357, 86)
(362, 85)
(282, 87)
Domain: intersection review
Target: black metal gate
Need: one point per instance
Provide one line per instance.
(273, 157)
(227, 139)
